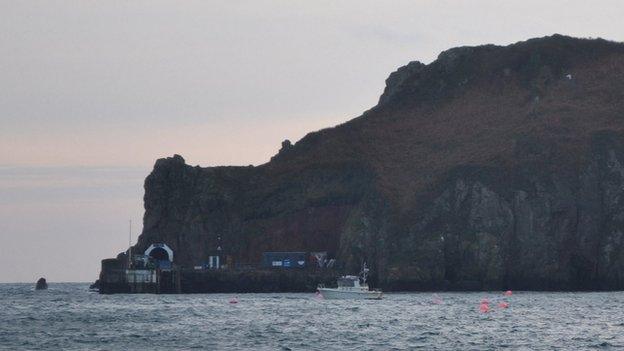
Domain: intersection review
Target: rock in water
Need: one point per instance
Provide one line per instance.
(95, 285)
(41, 284)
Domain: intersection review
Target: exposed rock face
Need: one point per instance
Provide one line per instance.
(490, 168)
(527, 228)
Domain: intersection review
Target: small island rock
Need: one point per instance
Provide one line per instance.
(41, 284)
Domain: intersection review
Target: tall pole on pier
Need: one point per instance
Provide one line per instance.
(130, 245)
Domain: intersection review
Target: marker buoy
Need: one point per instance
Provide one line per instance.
(503, 305)
(508, 293)
(437, 300)
(484, 308)
(233, 300)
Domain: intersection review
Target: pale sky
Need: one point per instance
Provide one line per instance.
(93, 92)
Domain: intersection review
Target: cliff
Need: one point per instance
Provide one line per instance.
(491, 167)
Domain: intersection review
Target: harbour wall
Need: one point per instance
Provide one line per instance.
(189, 281)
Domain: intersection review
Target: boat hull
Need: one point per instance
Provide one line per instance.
(337, 294)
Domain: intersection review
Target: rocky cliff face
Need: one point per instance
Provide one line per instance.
(492, 167)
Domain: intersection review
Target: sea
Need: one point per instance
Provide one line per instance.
(68, 316)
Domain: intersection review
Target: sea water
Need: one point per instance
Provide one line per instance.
(69, 317)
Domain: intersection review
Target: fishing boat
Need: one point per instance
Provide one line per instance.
(349, 287)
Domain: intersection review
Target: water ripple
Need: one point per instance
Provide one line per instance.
(69, 317)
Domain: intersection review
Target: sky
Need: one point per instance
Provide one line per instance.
(93, 92)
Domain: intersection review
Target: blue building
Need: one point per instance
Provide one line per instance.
(284, 260)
